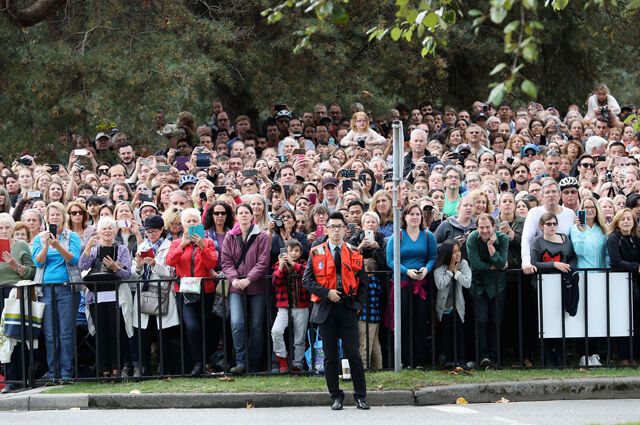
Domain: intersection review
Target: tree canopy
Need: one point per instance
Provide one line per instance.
(91, 63)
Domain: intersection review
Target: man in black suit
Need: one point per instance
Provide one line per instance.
(338, 284)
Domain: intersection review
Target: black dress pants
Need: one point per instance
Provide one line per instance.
(342, 323)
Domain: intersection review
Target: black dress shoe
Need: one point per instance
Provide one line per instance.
(361, 403)
(197, 370)
(337, 404)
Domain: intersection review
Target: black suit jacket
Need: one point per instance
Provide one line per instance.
(322, 308)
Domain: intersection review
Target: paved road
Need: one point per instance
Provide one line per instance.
(551, 412)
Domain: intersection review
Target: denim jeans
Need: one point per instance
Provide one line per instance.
(194, 323)
(256, 315)
(59, 324)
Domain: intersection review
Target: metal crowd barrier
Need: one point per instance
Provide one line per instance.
(524, 322)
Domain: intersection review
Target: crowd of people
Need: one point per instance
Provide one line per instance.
(234, 206)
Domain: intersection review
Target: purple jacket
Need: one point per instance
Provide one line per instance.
(255, 266)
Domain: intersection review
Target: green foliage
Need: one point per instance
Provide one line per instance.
(120, 61)
(434, 21)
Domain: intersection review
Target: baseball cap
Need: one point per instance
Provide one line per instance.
(328, 181)
(101, 135)
(154, 222)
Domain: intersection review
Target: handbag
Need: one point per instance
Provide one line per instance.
(190, 287)
(221, 302)
(150, 304)
(13, 318)
(317, 365)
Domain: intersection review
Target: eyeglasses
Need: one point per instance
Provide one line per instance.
(551, 224)
(569, 192)
(75, 213)
(219, 213)
(530, 154)
(588, 165)
(336, 227)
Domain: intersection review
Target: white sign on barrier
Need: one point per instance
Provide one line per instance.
(574, 327)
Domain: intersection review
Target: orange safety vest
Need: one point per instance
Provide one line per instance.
(324, 268)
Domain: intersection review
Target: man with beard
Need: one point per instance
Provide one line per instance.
(127, 158)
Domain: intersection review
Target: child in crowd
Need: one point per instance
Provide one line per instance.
(369, 320)
(451, 274)
(290, 296)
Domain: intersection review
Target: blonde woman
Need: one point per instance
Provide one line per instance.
(381, 204)
(360, 131)
(203, 186)
(172, 223)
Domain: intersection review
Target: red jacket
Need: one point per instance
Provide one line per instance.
(204, 262)
(299, 292)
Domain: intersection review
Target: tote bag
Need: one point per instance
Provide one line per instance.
(13, 318)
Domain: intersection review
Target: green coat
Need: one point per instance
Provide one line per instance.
(485, 280)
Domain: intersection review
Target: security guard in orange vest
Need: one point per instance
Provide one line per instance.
(338, 286)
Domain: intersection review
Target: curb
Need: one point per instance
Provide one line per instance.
(239, 400)
(542, 390)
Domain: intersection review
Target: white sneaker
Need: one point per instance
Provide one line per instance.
(594, 360)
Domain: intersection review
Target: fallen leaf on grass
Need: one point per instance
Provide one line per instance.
(503, 400)
(461, 400)
(249, 405)
(452, 372)
(379, 387)
(226, 379)
(134, 392)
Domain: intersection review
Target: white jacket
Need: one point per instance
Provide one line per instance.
(159, 271)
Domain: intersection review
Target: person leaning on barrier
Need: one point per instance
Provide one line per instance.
(623, 246)
(16, 265)
(153, 267)
(338, 284)
(101, 300)
(53, 255)
(487, 250)
(194, 257)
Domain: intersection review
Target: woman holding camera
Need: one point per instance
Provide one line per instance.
(284, 229)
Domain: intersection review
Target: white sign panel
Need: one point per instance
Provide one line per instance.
(574, 327)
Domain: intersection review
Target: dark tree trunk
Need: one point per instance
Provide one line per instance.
(39, 11)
